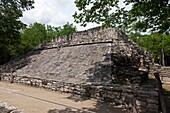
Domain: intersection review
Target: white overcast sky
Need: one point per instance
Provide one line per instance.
(53, 12)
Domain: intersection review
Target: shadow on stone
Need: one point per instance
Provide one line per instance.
(78, 98)
(167, 99)
(100, 73)
(117, 69)
(18, 63)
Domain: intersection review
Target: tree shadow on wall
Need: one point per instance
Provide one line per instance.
(101, 72)
(78, 98)
(99, 107)
(113, 65)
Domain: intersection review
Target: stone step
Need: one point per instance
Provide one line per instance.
(166, 79)
(165, 75)
(166, 83)
(165, 72)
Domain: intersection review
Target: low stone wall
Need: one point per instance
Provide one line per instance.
(165, 71)
(136, 100)
(93, 35)
(5, 108)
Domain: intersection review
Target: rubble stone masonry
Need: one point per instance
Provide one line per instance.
(99, 63)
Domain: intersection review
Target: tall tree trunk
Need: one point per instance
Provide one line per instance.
(162, 53)
(163, 57)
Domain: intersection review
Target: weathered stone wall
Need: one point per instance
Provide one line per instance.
(77, 64)
(136, 100)
(93, 35)
(120, 43)
(165, 71)
(96, 60)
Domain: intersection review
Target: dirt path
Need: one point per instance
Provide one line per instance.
(36, 100)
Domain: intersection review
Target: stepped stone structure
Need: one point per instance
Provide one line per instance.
(95, 55)
(99, 63)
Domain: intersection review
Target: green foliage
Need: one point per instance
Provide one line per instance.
(59, 31)
(32, 36)
(154, 42)
(134, 17)
(36, 33)
(15, 38)
(51, 31)
(66, 29)
(10, 12)
(151, 15)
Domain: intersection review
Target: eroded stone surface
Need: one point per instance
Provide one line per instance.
(90, 63)
(76, 64)
(96, 55)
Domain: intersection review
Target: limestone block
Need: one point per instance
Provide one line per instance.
(49, 84)
(141, 103)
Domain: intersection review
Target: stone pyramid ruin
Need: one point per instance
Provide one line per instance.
(98, 55)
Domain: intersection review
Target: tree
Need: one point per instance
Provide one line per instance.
(134, 17)
(66, 29)
(32, 36)
(36, 33)
(51, 31)
(10, 26)
(144, 15)
(156, 43)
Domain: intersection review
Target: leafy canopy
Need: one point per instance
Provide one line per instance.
(135, 15)
(66, 29)
(37, 33)
(156, 43)
(32, 36)
(10, 26)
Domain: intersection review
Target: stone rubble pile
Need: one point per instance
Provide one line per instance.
(5, 108)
